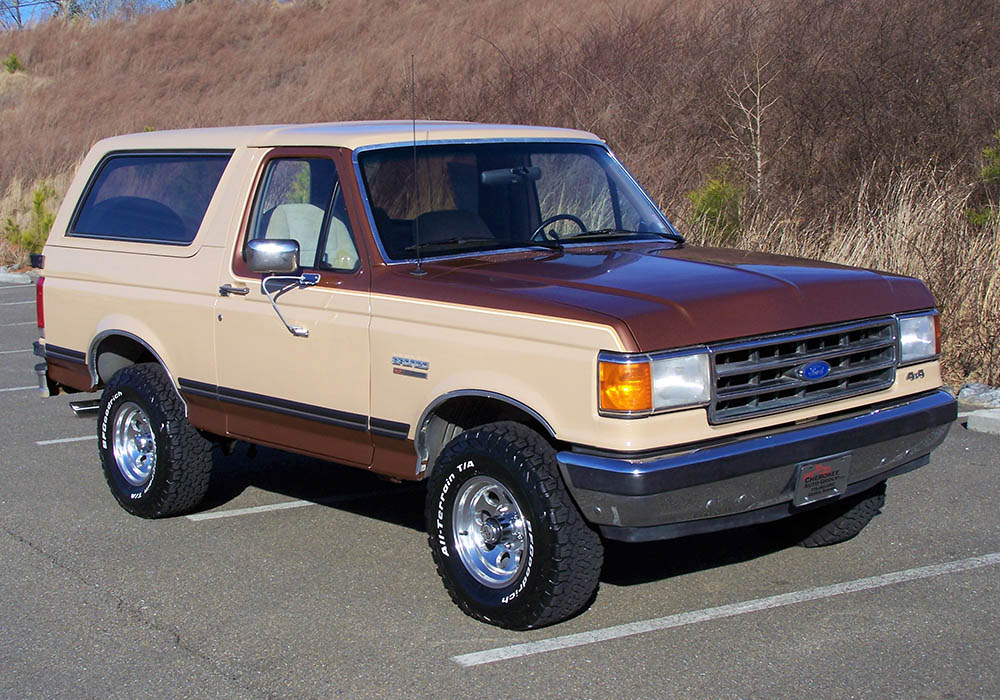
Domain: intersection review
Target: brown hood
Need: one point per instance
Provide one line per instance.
(660, 297)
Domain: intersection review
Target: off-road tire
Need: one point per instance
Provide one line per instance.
(561, 555)
(839, 522)
(178, 477)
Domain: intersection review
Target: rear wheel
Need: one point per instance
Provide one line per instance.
(154, 460)
(509, 543)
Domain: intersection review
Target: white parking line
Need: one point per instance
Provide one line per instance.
(248, 511)
(62, 440)
(23, 323)
(748, 606)
(19, 388)
(15, 303)
(12, 352)
(295, 504)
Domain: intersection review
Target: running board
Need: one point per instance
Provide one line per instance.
(85, 408)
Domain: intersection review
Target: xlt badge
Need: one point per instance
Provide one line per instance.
(409, 367)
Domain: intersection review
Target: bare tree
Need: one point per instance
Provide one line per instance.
(14, 14)
(10, 14)
(747, 95)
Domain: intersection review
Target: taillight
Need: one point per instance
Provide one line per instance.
(40, 303)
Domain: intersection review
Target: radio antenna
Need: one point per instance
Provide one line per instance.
(419, 269)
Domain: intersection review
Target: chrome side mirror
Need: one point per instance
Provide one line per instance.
(278, 258)
(273, 257)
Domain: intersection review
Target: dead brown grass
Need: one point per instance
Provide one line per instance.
(913, 225)
(12, 257)
(874, 112)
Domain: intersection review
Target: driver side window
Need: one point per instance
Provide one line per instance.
(301, 199)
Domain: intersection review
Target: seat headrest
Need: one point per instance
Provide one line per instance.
(298, 221)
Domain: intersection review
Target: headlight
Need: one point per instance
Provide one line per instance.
(681, 380)
(919, 338)
(637, 385)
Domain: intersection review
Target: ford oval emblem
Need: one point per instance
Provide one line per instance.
(813, 371)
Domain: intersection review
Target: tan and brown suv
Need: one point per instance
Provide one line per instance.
(500, 310)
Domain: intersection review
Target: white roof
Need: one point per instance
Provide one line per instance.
(344, 134)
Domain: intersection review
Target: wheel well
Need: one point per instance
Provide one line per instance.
(116, 352)
(460, 413)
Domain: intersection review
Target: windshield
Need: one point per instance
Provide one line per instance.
(472, 197)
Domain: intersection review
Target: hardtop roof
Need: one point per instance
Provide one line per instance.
(343, 134)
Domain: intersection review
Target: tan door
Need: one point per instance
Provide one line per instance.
(306, 393)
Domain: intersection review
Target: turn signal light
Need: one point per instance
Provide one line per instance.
(625, 387)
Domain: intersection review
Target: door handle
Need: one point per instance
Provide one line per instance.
(227, 289)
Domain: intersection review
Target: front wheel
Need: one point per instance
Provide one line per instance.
(510, 545)
(154, 460)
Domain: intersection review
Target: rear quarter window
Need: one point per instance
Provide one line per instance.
(150, 197)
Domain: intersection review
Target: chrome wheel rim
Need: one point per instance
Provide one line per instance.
(133, 444)
(489, 532)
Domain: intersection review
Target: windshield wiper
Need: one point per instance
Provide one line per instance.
(611, 232)
(471, 241)
(459, 242)
(551, 245)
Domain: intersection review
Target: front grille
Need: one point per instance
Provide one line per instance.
(757, 376)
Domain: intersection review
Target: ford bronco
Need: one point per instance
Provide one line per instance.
(498, 310)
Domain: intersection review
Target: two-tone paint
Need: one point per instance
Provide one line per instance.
(520, 330)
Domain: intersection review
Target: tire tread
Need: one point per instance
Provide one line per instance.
(840, 522)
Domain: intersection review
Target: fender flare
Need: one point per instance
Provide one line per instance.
(420, 433)
(104, 335)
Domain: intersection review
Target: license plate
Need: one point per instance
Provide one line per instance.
(823, 478)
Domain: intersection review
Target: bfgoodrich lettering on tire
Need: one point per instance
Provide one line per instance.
(155, 462)
(510, 545)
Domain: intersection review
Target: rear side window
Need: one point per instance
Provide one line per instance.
(150, 197)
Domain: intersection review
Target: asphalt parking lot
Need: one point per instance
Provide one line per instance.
(308, 580)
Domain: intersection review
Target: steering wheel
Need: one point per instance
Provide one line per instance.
(539, 232)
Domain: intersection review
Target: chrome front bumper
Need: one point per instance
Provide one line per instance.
(725, 484)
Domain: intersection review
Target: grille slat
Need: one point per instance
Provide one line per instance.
(757, 376)
(797, 359)
(793, 383)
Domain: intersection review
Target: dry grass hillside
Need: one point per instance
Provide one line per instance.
(857, 132)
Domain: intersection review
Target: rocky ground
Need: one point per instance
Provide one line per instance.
(979, 396)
